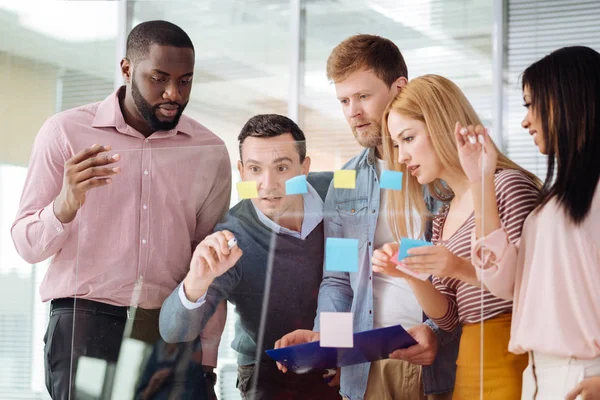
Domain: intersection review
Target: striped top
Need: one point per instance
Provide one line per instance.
(516, 196)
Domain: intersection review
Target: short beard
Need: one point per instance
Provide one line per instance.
(149, 113)
(371, 137)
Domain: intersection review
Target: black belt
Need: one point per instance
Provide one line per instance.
(94, 307)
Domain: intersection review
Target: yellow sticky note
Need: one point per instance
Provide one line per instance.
(247, 190)
(344, 179)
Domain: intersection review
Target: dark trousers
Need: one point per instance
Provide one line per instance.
(273, 384)
(91, 329)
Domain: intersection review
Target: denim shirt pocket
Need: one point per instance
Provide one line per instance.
(353, 216)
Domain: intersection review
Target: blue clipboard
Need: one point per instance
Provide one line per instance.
(368, 346)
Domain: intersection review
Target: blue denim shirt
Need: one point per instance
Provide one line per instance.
(353, 214)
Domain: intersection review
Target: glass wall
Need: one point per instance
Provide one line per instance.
(534, 30)
(53, 55)
(433, 36)
(56, 55)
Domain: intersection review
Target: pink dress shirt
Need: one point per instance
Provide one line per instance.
(131, 242)
(553, 278)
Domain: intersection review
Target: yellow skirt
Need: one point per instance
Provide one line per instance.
(502, 371)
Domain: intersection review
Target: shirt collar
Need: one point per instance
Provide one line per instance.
(367, 157)
(313, 215)
(109, 114)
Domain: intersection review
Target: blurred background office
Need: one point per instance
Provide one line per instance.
(252, 56)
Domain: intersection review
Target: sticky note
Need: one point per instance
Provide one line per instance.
(247, 190)
(341, 254)
(406, 244)
(391, 180)
(296, 185)
(344, 179)
(336, 329)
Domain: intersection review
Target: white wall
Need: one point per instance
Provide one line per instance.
(28, 99)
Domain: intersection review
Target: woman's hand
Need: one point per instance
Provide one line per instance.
(588, 389)
(476, 151)
(441, 262)
(381, 261)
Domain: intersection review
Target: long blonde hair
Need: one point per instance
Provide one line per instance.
(439, 104)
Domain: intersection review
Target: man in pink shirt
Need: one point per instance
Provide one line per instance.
(118, 194)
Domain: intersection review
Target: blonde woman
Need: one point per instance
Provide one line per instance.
(419, 140)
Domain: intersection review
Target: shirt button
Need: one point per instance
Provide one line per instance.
(369, 243)
(353, 211)
(370, 278)
(373, 211)
(144, 241)
(146, 172)
(58, 229)
(147, 140)
(145, 207)
(370, 311)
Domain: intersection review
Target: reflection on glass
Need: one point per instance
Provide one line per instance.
(174, 371)
(241, 70)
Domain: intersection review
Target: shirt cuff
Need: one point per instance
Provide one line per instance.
(487, 250)
(443, 337)
(188, 304)
(52, 223)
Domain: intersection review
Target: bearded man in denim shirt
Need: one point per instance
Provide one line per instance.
(368, 71)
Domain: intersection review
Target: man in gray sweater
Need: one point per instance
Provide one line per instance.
(272, 275)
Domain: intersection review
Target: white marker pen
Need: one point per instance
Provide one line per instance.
(231, 243)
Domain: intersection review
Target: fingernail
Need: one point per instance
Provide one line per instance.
(481, 139)
(109, 180)
(95, 145)
(117, 169)
(472, 139)
(463, 131)
(116, 157)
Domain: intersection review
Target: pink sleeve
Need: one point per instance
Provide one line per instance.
(212, 213)
(495, 256)
(211, 335)
(36, 232)
(495, 260)
(217, 204)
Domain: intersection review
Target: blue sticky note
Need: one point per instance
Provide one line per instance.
(391, 180)
(406, 244)
(296, 185)
(341, 255)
